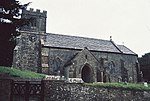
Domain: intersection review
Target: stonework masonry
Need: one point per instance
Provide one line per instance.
(92, 60)
(61, 91)
(27, 52)
(112, 63)
(79, 92)
(37, 20)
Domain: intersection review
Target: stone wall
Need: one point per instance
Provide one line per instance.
(117, 66)
(61, 91)
(58, 58)
(27, 52)
(114, 67)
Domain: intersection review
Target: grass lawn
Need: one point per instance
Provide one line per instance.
(133, 86)
(18, 73)
(28, 74)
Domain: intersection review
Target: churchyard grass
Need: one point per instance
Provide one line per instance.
(122, 85)
(19, 73)
(28, 74)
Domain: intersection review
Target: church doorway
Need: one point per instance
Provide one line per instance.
(86, 74)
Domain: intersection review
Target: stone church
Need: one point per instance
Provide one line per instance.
(92, 60)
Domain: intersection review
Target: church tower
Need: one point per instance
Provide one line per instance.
(37, 20)
(27, 53)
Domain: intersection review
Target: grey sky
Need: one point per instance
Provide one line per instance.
(127, 21)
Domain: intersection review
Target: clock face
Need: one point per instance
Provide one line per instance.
(32, 38)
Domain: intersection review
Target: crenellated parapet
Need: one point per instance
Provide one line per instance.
(38, 20)
(36, 12)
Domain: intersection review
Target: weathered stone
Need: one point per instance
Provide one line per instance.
(92, 60)
(60, 91)
(27, 56)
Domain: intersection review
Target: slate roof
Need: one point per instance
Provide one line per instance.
(75, 42)
(125, 50)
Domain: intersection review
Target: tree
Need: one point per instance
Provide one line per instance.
(10, 23)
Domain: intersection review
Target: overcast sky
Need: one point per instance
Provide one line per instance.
(127, 21)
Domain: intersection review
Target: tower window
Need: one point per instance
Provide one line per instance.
(33, 22)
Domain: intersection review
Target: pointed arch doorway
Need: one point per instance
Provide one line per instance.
(86, 74)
